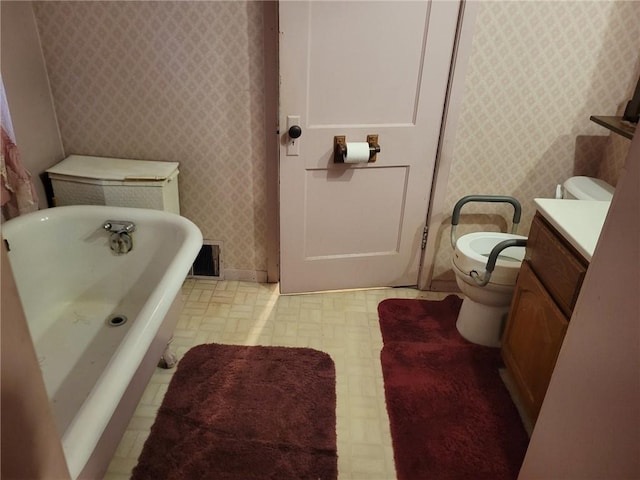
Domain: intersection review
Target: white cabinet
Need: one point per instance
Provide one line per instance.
(86, 180)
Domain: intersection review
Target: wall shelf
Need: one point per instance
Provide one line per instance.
(616, 124)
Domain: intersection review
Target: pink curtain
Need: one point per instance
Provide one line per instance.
(17, 192)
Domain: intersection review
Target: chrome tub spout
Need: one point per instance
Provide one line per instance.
(120, 240)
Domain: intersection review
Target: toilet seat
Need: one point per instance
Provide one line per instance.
(472, 252)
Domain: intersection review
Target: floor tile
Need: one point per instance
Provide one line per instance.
(343, 324)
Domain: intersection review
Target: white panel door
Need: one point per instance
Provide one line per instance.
(357, 69)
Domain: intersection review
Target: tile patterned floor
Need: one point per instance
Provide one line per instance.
(343, 324)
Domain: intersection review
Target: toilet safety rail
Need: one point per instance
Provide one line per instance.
(455, 216)
(493, 258)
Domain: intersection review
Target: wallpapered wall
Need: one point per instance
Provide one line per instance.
(537, 71)
(174, 81)
(183, 81)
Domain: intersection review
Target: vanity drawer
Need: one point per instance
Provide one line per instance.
(560, 269)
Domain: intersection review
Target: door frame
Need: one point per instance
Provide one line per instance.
(439, 212)
(272, 146)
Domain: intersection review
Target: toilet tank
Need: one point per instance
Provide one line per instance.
(87, 180)
(587, 188)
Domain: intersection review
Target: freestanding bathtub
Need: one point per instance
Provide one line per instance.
(71, 285)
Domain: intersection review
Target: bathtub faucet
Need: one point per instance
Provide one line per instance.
(119, 226)
(120, 240)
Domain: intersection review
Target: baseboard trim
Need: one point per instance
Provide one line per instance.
(444, 286)
(258, 276)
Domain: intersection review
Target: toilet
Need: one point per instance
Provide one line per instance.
(486, 304)
(587, 188)
(487, 287)
(484, 308)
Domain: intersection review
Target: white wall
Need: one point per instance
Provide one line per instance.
(589, 425)
(27, 85)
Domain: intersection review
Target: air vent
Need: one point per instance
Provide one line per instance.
(208, 263)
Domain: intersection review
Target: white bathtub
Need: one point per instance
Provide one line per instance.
(70, 283)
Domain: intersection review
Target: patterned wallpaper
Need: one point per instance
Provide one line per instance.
(175, 81)
(537, 71)
(183, 81)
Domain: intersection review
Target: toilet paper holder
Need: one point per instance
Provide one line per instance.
(340, 148)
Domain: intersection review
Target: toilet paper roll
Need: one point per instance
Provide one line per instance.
(357, 152)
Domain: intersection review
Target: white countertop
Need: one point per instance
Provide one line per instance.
(579, 221)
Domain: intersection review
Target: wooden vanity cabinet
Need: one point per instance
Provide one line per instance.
(545, 294)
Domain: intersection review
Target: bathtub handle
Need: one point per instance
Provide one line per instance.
(493, 258)
(455, 216)
(119, 226)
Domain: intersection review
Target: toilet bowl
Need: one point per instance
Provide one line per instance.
(484, 309)
(486, 265)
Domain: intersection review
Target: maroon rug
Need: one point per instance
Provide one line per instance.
(451, 415)
(235, 412)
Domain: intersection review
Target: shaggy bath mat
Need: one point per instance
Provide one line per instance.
(451, 415)
(237, 412)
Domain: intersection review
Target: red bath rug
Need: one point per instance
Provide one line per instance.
(451, 415)
(237, 412)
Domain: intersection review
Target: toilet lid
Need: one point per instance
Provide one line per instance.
(587, 188)
(472, 253)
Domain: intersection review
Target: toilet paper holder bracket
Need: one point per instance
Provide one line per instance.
(340, 148)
